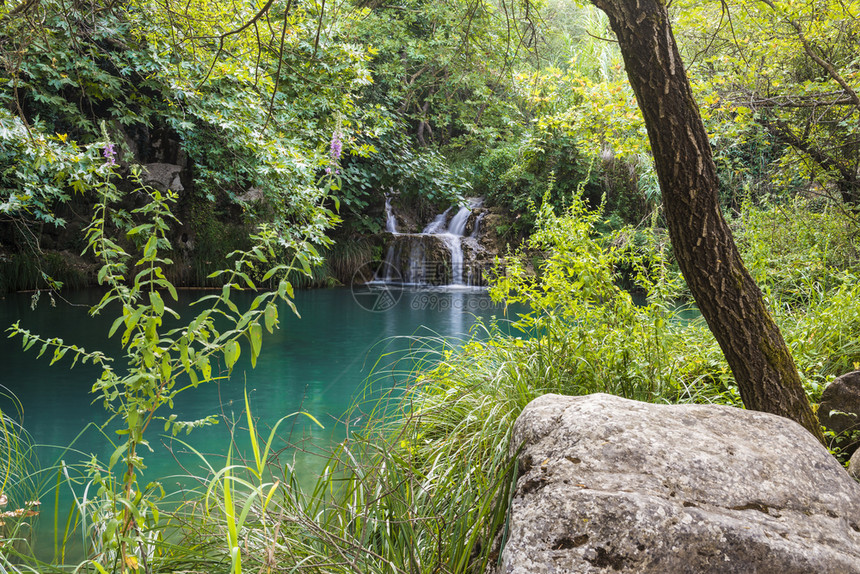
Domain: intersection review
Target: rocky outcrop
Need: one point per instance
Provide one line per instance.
(839, 409)
(612, 485)
(450, 249)
(163, 176)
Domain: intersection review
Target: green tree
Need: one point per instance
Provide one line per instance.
(787, 72)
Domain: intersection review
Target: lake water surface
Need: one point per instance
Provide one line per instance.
(342, 350)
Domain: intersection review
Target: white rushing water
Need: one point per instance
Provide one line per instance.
(450, 233)
(477, 225)
(438, 225)
(390, 220)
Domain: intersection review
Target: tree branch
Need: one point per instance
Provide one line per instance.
(810, 51)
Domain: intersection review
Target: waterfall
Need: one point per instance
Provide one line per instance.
(477, 225)
(390, 220)
(453, 238)
(450, 236)
(458, 222)
(407, 254)
(385, 274)
(438, 224)
(452, 242)
(416, 273)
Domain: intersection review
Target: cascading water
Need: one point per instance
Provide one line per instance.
(386, 273)
(451, 237)
(390, 220)
(407, 254)
(458, 222)
(477, 225)
(438, 224)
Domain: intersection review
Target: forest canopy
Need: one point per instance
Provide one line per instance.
(430, 99)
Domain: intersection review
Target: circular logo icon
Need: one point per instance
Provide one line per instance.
(376, 286)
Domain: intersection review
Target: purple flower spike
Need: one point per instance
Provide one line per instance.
(336, 146)
(110, 154)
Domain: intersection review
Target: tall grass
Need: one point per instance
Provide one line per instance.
(31, 271)
(18, 501)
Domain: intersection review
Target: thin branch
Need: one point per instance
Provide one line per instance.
(280, 65)
(319, 28)
(601, 38)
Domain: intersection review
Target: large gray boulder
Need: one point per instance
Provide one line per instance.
(613, 485)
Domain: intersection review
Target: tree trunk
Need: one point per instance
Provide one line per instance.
(726, 294)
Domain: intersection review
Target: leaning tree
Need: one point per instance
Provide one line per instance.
(729, 299)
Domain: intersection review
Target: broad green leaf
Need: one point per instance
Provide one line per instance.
(114, 457)
(231, 353)
(271, 317)
(165, 367)
(183, 353)
(157, 303)
(205, 368)
(255, 333)
(117, 322)
(58, 354)
(149, 249)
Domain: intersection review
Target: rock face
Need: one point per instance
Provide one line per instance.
(612, 485)
(163, 176)
(854, 465)
(843, 396)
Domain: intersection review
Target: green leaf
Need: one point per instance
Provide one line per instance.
(255, 333)
(253, 434)
(231, 353)
(138, 229)
(148, 358)
(172, 290)
(149, 249)
(132, 320)
(257, 300)
(157, 303)
(116, 454)
(183, 353)
(205, 368)
(165, 367)
(119, 320)
(271, 317)
(58, 354)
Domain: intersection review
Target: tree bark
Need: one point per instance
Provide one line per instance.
(726, 294)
